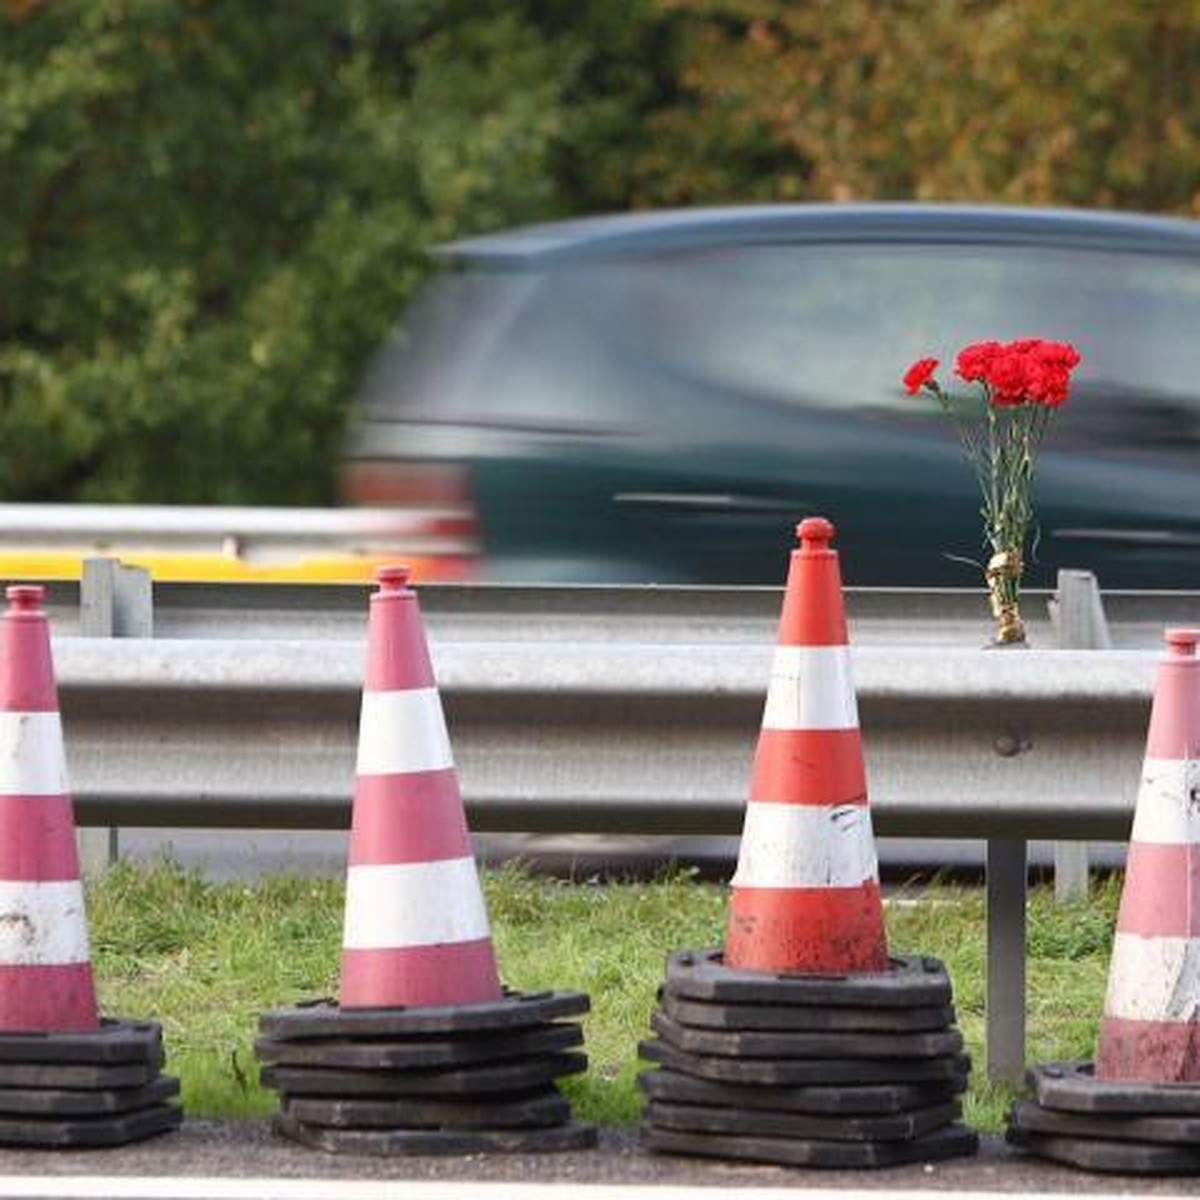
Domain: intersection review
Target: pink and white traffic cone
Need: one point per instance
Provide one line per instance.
(416, 927)
(46, 980)
(1150, 1031)
(806, 892)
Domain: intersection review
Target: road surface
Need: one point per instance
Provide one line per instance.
(239, 1159)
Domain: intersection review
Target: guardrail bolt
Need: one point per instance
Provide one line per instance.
(1009, 745)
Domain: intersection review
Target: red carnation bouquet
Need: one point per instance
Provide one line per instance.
(1022, 384)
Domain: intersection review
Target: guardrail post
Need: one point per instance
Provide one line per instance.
(114, 601)
(1006, 887)
(1077, 612)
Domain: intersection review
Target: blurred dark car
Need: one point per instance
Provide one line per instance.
(659, 397)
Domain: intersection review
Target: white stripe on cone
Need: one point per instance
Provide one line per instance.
(42, 924)
(402, 732)
(414, 904)
(1168, 803)
(811, 688)
(1154, 979)
(800, 845)
(31, 754)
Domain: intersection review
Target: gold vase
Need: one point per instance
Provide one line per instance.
(1003, 576)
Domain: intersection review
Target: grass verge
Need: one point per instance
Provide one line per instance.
(206, 958)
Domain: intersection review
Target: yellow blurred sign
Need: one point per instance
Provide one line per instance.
(219, 568)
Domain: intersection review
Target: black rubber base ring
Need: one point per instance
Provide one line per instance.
(519, 1110)
(463, 1081)
(796, 1018)
(1073, 1087)
(771, 1045)
(60, 1102)
(402, 1142)
(952, 1141)
(1029, 1117)
(1124, 1158)
(911, 982)
(421, 1051)
(81, 1132)
(325, 1019)
(116, 1041)
(81, 1077)
(851, 1100)
(789, 1072)
(696, 1118)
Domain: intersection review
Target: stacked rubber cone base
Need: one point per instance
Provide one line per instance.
(90, 1089)
(805, 1070)
(460, 1079)
(1108, 1125)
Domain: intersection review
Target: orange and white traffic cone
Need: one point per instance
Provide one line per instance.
(1150, 1030)
(46, 982)
(806, 891)
(416, 927)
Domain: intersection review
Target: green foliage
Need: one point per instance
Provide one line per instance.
(1079, 103)
(213, 211)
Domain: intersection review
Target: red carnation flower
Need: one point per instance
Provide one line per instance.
(1051, 364)
(974, 361)
(1008, 377)
(1022, 382)
(919, 374)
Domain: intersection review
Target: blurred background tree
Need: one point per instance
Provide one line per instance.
(211, 211)
(1080, 102)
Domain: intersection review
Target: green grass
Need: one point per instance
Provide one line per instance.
(206, 958)
(1066, 967)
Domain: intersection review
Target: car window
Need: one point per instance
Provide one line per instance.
(451, 333)
(604, 342)
(836, 325)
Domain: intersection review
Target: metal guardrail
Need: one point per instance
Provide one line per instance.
(181, 529)
(601, 737)
(605, 613)
(49, 541)
(609, 710)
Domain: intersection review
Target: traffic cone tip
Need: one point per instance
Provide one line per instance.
(1182, 642)
(392, 578)
(815, 534)
(25, 598)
